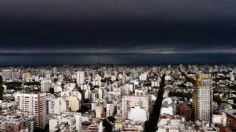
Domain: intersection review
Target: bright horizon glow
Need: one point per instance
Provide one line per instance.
(137, 50)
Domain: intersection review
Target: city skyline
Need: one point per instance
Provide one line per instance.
(109, 98)
(117, 66)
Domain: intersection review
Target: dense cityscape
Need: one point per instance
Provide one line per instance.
(118, 98)
(117, 65)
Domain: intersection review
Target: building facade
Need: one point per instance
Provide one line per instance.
(80, 77)
(132, 101)
(35, 104)
(203, 98)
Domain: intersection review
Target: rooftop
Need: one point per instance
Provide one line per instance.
(231, 112)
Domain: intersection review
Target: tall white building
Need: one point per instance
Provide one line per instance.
(110, 110)
(231, 75)
(45, 85)
(57, 106)
(15, 75)
(204, 99)
(7, 74)
(80, 77)
(34, 103)
(54, 70)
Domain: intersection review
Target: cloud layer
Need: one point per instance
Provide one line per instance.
(118, 26)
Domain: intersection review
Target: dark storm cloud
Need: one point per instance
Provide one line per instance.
(116, 25)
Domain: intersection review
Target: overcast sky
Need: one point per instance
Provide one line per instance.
(110, 26)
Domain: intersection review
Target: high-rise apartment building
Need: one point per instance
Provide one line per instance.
(80, 77)
(35, 104)
(203, 98)
(45, 85)
(110, 110)
(7, 74)
(10, 74)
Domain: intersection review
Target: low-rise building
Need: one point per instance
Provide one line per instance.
(231, 118)
(16, 123)
(185, 111)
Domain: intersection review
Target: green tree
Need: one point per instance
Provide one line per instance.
(51, 90)
(217, 99)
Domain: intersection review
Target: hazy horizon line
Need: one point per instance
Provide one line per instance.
(134, 50)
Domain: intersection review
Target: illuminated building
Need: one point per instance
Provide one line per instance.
(203, 98)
